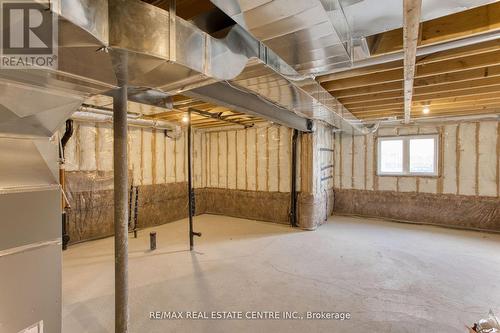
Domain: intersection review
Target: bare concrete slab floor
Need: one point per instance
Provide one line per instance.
(391, 277)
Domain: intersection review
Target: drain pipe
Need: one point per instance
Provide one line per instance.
(293, 198)
(191, 197)
(120, 173)
(62, 180)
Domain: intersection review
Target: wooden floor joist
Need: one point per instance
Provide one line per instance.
(450, 81)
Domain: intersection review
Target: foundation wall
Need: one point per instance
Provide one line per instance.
(91, 198)
(242, 173)
(465, 193)
(255, 205)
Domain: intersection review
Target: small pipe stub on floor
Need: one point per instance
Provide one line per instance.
(194, 233)
(152, 241)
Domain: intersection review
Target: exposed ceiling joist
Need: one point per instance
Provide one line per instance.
(451, 27)
(483, 56)
(411, 22)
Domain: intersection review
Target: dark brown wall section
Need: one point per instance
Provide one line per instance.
(91, 198)
(255, 205)
(471, 212)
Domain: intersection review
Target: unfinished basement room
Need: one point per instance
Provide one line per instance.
(249, 166)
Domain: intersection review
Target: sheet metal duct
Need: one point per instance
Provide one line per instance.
(307, 34)
(30, 201)
(369, 17)
(31, 111)
(305, 96)
(316, 36)
(163, 52)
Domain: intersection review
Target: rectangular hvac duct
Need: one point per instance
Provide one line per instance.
(30, 202)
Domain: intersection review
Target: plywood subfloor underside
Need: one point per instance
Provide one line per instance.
(391, 277)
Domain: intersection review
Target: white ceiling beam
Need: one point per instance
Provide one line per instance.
(411, 22)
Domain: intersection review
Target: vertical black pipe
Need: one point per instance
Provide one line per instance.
(293, 194)
(136, 210)
(190, 185)
(121, 208)
(65, 236)
(67, 133)
(64, 218)
(130, 197)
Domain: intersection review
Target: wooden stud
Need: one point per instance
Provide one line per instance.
(142, 156)
(78, 148)
(227, 160)
(498, 159)
(256, 160)
(352, 160)
(341, 171)
(184, 158)
(246, 160)
(440, 180)
(96, 147)
(175, 161)
(267, 158)
(279, 159)
(207, 160)
(457, 162)
(374, 161)
(153, 156)
(236, 156)
(218, 159)
(365, 160)
(165, 138)
(476, 180)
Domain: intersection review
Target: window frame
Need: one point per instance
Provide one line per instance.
(406, 155)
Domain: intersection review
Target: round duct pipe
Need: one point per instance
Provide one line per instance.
(88, 116)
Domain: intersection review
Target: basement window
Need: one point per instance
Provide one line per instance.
(415, 155)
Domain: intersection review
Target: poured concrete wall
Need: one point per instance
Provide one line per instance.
(468, 168)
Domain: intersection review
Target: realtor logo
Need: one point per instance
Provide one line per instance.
(29, 34)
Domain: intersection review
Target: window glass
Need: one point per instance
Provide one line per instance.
(391, 156)
(422, 155)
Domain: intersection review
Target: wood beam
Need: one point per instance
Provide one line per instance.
(447, 28)
(467, 104)
(463, 52)
(411, 21)
(432, 99)
(375, 89)
(423, 70)
(389, 66)
(481, 77)
(449, 112)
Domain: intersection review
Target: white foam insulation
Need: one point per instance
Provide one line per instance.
(469, 160)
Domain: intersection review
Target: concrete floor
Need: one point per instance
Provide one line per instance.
(391, 277)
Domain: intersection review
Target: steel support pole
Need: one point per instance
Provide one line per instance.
(121, 208)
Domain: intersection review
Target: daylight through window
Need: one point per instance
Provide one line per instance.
(408, 155)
